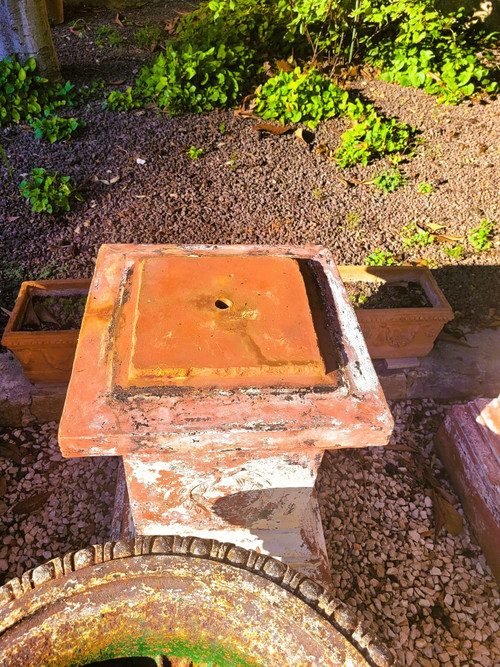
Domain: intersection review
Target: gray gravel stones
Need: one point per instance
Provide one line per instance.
(433, 603)
(76, 513)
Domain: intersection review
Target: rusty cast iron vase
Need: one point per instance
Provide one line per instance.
(187, 599)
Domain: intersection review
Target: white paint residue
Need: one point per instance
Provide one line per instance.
(147, 474)
(364, 374)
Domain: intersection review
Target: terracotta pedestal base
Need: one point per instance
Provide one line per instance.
(253, 511)
(220, 375)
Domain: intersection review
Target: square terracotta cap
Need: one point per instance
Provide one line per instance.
(174, 335)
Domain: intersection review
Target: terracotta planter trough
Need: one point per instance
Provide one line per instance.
(46, 356)
(392, 333)
(220, 375)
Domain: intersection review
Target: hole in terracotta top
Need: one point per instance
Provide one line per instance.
(222, 304)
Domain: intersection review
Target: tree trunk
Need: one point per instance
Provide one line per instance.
(25, 32)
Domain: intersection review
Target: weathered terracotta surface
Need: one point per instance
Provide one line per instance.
(46, 356)
(392, 333)
(468, 443)
(221, 414)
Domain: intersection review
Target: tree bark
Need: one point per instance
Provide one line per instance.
(25, 32)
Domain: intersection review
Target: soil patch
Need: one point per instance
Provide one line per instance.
(54, 313)
(364, 294)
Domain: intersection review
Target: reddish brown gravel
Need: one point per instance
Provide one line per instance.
(141, 187)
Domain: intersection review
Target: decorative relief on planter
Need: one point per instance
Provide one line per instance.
(46, 356)
(400, 332)
(220, 374)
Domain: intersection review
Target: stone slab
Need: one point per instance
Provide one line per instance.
(468, 443)
(450, 371)
(22, 403)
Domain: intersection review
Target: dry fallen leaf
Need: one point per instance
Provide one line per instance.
(272, 129)
(31, 504)
(284, 66)
(115, 83)
(30, 317)
(44, 315)
(448, 338)
(111, 181)
(448, 238)
(118, 21)
(172, 25)
(433, 226)
(305, 136)
(3, 507)
(3, 486)
(446, 515)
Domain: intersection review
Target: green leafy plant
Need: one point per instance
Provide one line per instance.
(47, 191)
(55, 128)
(352, 221)
(188, 80)
(479, 236)
(380, 258)
(373, 136)
(455, 252)
(358, 300)
(6, 162)
(300, 96)
(115, 39)
(79, 28)
(416, 237)
(231, 163)
(389, 181)
(108, 34)
(416, 44)
(25, 95)
(222, 128)
(53, 270)
(147, 36)
(425, 188)
(195, 153)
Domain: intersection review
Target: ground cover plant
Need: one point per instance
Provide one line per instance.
(47, 191)
(480, 237)
(390, 180)
(25, 95)
(55, 128)
(147, 36)
(220, 49)
(416, 44)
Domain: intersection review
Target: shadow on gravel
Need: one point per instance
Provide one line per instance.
(473, 293)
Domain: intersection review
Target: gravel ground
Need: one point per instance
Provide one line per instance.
(248, 188)
(434, 602)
